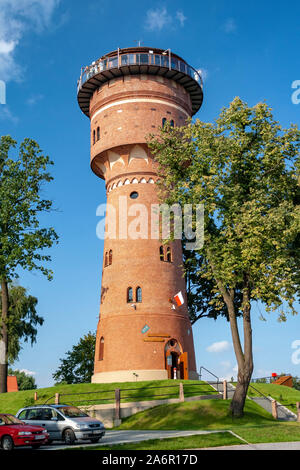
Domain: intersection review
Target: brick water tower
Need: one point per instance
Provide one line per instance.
(142, 334)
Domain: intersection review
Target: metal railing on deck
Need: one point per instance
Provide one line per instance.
(123, 60)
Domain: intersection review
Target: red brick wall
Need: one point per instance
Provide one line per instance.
(136, 262)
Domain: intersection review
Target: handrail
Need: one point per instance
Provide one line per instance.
(202, 367)
(258, 391)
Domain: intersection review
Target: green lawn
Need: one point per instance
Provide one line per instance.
(285, 395)
(103, 393)
(256, 426)
(204, 414)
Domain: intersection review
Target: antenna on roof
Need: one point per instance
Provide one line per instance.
(139, 42)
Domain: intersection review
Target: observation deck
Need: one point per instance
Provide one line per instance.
(135, 61)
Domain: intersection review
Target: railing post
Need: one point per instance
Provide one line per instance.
(181, 392)
(225, 394)
(274, 409)
(57, 396)
(117, 420)
(298, 411)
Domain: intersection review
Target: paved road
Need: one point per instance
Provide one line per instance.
(120, 437)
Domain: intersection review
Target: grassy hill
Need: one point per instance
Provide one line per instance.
(204, 414)
(285, 395)
(256, 426)
(88, 394)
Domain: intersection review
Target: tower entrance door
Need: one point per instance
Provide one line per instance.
(176, 359)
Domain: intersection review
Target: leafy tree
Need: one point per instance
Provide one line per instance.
(22, 240)
(244, 168)
(22, 320)
(25, 381)
(78, 366)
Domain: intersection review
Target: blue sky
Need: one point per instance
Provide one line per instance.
(249, 50)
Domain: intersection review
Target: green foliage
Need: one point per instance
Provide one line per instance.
(78, 366)
(25, 381)
(244, 168)
(22, 320)
(22, 240)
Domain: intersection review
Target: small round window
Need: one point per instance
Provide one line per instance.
(134, 195)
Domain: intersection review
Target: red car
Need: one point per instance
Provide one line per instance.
(14, 432)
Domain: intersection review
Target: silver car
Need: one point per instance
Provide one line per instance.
(63, 422)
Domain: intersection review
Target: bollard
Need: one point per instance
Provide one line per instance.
(181, 392)
(35, 396)
(57, 398)
(298, 411)
(274, 409)
(225, 394)
(117, 420)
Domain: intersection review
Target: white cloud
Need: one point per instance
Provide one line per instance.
(34, 99)
(159, 18)
(218, 347)
(181, 18)
(16, 18)
(28, 372)
(229, 26)
(204, 73)
(7, 115)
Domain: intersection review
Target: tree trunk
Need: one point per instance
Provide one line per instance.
(4, 337)
(245, 366)
(239, 397)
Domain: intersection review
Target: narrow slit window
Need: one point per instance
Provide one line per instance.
(98, 133)
(94, 137)
(169, 255)
(138, 294)
(164, 120)
(101, 349)
(161, 253)
(129, 294)
(172, 123)
(106, 259)
(110, 257)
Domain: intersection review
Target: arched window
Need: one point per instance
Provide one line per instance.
(172, 123)
(98, 133)
(106, 259)
(161, 253)
(164, 121)
(101, 349)
(110, 257)
(138, 294)
(129, 294)
(94, 137)
(169, 254)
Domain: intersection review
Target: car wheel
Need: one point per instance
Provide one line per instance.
(69, 437)
(95, 439)
(7, 443)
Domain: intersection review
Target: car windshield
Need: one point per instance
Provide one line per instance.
(9, 419)
(72, 412)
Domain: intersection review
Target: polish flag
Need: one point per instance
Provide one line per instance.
(179, 299)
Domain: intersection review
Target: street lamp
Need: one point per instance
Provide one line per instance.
(165, 53)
